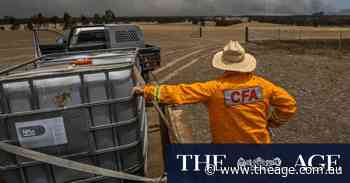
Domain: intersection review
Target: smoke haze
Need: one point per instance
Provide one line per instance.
(25, 8)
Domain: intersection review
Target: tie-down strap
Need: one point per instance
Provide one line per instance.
(73, 165)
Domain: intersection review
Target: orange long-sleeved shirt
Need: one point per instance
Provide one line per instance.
(238, 105)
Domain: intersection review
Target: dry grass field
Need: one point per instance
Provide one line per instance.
(317, 74)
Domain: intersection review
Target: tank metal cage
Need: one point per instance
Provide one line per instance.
(115, 142)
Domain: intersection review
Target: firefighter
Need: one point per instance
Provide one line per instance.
(238, 102)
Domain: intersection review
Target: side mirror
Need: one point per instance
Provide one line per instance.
(60, 40)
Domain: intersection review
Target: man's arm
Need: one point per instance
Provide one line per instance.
(284, 105)
(179, 94)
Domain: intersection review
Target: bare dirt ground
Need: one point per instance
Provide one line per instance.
(317, 74)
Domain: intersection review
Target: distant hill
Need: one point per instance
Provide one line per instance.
(344, 12)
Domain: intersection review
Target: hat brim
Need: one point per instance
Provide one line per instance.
(247, 65)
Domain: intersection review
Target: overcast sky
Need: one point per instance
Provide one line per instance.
(25, 8)
(342, 4)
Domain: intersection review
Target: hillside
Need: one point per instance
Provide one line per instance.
(344, 12)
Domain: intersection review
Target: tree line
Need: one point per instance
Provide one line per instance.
(39, 20)
(67, 20)
(302, 20)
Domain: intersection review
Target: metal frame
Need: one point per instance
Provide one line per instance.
(49, 30)
(110, 103)
(36, 40)
(49, 57)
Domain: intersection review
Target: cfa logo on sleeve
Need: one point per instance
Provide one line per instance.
(243, 96)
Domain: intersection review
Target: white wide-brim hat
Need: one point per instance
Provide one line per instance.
(234, 58)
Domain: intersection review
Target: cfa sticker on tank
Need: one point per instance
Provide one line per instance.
(243, 96)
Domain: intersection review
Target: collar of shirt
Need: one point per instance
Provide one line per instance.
(236, 77)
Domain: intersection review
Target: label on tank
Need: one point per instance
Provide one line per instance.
(41, 133)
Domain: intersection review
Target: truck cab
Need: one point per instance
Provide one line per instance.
(103, 37)
(99, 37)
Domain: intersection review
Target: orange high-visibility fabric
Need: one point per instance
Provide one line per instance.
(242, 123)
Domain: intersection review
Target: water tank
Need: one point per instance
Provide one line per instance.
(86, 114)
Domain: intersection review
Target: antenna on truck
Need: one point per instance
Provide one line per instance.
(36, 47)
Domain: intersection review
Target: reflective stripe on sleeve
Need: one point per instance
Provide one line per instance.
(156, 93)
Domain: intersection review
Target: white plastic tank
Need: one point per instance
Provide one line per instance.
(85, 114)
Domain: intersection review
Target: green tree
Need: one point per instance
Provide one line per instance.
(12, 21)
(14, 24)
(67, 19)
(84, 20)
(74, 22)
(30, 25)
(38, 20)
(54, 20)
(97, 19)
(195, 21)
(9, 20)
(41, 19)
(34, 20)
(109, 16)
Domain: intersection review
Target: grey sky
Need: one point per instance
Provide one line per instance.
(25, 8)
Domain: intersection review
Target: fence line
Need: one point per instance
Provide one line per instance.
(290, 34)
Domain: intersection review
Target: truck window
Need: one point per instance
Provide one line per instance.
(126, 36)
(84, 37)
(91, 36)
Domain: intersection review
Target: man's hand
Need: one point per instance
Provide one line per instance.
(138, 90)
(272, 123)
